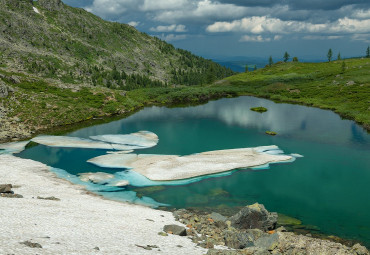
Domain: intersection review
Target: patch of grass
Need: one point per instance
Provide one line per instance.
(259, 109)
(322, 85)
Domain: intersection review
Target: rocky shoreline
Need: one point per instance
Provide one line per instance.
(253, 230)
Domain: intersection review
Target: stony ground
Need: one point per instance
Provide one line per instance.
(214, 230)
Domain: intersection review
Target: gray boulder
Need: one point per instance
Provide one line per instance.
(175, 230)
(14, 79)
(238, 240)
(3, 90)
(254, 216)
(268, 242)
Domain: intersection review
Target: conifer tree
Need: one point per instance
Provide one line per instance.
(246, 68)
(270, 61)
(330, 55)
(286, 56)
(368, 52)
(339, 57)
(255, 68)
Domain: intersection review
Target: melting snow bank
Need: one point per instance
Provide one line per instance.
(79, 222)
(139, 140)
(172, 167)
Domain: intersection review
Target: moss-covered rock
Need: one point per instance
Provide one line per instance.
(271, 133)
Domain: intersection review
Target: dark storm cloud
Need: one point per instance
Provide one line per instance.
(301, 4)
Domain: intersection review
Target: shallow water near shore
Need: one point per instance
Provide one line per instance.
(327, 188)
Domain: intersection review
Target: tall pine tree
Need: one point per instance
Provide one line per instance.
(330, 55)
(270, 61)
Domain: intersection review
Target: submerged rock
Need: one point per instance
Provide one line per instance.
(119, 183)
(254, 216)
(97, 178)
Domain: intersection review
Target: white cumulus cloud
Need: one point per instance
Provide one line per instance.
(106, 8)
(134, 23)
(173, 37)
(172, 28)
(203, 10)
(254, 38)
(154, 5)
(259, 25)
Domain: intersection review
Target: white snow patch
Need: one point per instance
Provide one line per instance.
(114, 227)
(36, 10)
(13, 147)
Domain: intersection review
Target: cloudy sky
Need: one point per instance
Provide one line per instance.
(247, 28)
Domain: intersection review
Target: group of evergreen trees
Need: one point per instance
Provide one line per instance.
(196, 70)
(120, 80)
(329, 56)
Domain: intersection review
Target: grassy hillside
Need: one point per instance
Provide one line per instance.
(36, 103)
(341, 86)
(52, 40)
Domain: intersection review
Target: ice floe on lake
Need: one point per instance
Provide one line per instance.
(172, 167)
(139, 140)
(13, 147)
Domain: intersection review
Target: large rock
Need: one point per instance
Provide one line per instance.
(238, 240)
(97, 178)
(6, 188)
(3, 90)
(254, 216)
(175, 230)
(268, 242)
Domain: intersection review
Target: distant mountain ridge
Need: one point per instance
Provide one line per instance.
(53, 40)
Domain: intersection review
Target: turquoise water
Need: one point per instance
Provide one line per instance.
(327, 188)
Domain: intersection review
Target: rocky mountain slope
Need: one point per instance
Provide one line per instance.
(61, 65)
(53, 40)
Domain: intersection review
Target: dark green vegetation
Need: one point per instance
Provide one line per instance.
(73, 46)
(259, 109)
